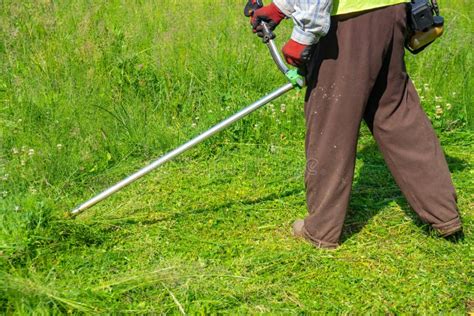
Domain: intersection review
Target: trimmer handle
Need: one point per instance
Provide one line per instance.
(294, 75)
(251, 6)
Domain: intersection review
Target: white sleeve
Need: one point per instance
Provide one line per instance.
(312, 18)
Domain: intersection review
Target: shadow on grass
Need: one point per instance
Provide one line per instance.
(374, 189)
(149, 219)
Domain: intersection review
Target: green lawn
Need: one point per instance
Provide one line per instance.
(91, 91)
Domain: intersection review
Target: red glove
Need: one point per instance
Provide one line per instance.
(296, 54)
(269, 14)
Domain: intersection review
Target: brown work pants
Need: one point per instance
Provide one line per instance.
(358, 72)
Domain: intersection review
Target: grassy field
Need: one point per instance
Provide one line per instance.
(92, 90)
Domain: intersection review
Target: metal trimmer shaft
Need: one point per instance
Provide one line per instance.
(198, 139)
(295, 81)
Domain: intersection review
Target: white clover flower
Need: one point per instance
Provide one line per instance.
(283, 108)
(449, 106)
(193, 125)
(15, 151)
(31, 152)
(438, 99)
(271, 106)
(14, 32)
(17, 208)
(438, 111)
(59, 146)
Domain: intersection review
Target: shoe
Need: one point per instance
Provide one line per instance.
(298, 227)
(300, 232)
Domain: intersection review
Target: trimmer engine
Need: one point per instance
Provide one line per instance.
(425, 24)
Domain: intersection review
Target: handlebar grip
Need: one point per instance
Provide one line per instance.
(251, 6)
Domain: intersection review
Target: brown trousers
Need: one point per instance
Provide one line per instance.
(358, 72)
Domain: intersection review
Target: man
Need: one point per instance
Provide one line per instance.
(356, 71)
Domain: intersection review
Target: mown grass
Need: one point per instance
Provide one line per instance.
(90, 91)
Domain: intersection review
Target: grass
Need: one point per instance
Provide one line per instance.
(91, 91)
